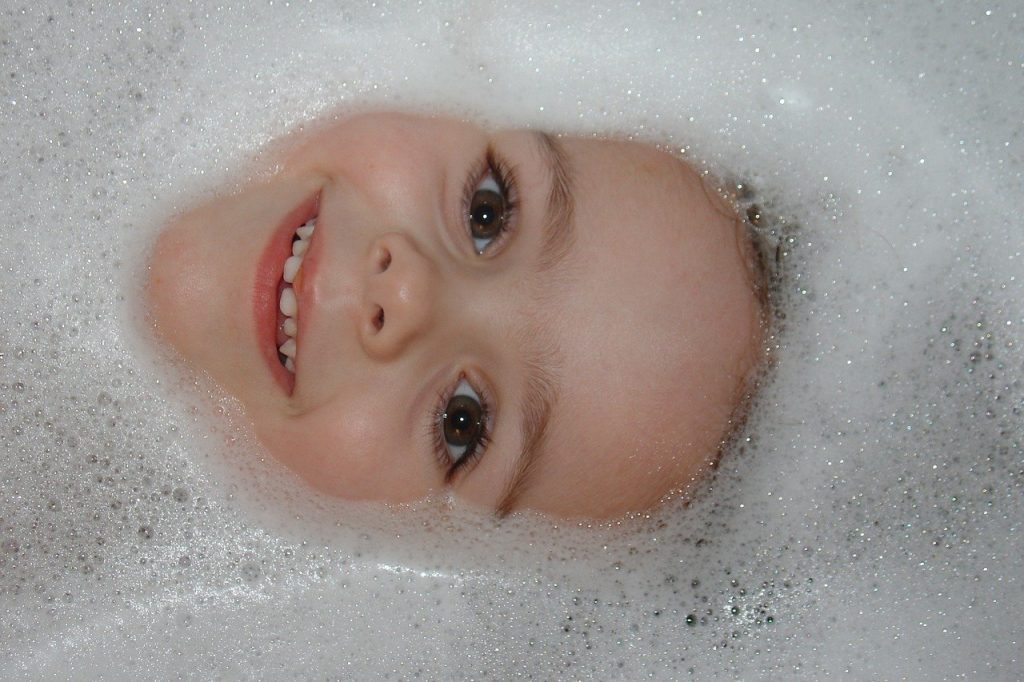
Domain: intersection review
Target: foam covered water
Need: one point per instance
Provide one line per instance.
(867, 526)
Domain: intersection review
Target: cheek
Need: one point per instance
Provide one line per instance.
(386, 152)
(323, 452)
(355, 453)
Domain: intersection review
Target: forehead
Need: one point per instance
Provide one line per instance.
(654, 321)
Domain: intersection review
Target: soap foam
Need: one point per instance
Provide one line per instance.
(866, 523)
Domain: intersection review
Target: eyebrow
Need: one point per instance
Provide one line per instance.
(541, 386)
(560, 228)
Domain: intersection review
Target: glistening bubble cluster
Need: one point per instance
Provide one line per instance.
(866, 523)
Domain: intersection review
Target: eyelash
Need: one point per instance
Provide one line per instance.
(504, 174)
(436, 430)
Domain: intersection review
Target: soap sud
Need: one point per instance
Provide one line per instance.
(867, 523)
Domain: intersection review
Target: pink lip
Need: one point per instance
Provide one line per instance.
(265, 289)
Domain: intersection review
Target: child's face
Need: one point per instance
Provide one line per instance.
(557, 324)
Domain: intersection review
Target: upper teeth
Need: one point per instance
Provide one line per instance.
(289, 304)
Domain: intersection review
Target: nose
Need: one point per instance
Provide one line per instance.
(399, 296)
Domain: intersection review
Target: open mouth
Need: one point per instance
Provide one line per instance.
(278, 282)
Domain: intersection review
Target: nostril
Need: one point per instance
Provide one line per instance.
(378, 319)
(383, 260)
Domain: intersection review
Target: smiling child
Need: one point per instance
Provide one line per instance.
(412, 305)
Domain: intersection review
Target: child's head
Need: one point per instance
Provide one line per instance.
(561, 324)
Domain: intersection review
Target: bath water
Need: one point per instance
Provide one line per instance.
(867, 522)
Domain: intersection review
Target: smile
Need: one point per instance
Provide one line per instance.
(277, 287)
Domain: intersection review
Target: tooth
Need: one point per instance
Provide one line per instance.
(289, 306)
(289, 365)
(291, 268)
(299, 247)
(288, 348)
(290, 328)
(306, 230)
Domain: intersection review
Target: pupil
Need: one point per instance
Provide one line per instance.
(486, 212)
(484, 215)
(462, 421)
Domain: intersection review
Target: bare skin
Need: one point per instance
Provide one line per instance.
(559, 324)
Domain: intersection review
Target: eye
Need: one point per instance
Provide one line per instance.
(490, 204)
(462, 426)
(486, 213)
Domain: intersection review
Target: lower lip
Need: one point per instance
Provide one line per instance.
(268, 275)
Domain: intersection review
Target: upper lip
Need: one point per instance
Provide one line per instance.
(268, 276)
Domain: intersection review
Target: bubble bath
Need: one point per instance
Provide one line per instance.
(867, 523)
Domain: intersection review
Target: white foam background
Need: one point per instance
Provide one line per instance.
(868, 526)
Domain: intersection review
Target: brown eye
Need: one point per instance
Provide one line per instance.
(463, 422)
(487, 213)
